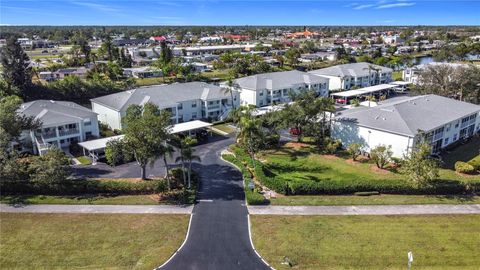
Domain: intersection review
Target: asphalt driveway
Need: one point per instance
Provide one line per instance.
(218, 236)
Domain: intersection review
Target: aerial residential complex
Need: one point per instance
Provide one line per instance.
(275, 87)
(63, 123)
(403, 122)
(347, 76)
(185, 101)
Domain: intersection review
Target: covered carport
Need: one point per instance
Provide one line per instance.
(345, 96)
(97, 146)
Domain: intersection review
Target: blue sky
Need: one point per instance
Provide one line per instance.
(246, 12)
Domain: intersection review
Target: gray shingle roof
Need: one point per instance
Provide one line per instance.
(279, 80)
(164, 96)
(55, 112)
(407, 116)
(353, 70)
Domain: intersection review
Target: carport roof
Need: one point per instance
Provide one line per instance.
(177, 128)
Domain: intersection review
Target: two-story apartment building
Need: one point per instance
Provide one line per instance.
(62, 124)
(412, 74)
(185, 101)
(275, 87)
(403, 122)
(347, 76)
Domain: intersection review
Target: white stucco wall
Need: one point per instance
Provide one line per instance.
(370, 138)
(107, 116)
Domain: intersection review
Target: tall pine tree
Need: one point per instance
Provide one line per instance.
(16, 72)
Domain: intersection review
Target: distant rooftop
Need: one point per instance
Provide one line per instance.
(278, 80)
(354, 70)
(51, 112)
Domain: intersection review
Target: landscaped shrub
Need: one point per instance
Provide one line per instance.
(252, 196)
(463, 167)
(475, 162)
(74, 187)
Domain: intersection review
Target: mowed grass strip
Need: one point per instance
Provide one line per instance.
(82, 199)
(368, 242)
(374, 199)
(89, 241)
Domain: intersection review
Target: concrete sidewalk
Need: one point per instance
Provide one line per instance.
(98, 209)
(427, 209)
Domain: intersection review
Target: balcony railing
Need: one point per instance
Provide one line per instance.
(65, 132)
(48, 135)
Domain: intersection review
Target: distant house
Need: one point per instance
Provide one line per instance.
(63, 123)
(305, 34)
(131, 42)
(400, 123)
(354, 75)
(142, 72)
(318, 56)
(275, 87)
(185, 102)
(62, 73)
(158, 39)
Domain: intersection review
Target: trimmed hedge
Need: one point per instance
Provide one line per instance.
(343, 187)
(252, 196)
(75, 187)
(475, 162)
(464, 167)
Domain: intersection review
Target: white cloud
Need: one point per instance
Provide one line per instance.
(363, 6)
(395, 5)
(95, 6)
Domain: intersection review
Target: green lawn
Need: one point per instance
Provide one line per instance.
(150, 81)
(89, 241)
(397, 75)
(462, 153)
(290, 162)
(84, 160)
(80, 199)
(374, 200)
(223, 74)
(368, 242)
(224, 127)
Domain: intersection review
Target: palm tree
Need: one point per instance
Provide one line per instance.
(250, 134)
(186, 153)
(167, 150)
(232, 86)
(189, 156)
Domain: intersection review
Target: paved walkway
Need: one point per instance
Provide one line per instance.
(427, 209)
(97, 209)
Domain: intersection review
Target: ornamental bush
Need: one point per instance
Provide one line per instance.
(463, 167)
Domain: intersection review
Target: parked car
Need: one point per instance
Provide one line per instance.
(294, 131)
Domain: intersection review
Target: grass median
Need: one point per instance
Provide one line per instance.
(368, 242)
(89, 241)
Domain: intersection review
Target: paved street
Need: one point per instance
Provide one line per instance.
(428, 209)
(98, 209)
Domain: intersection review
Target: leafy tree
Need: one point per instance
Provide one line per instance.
(232, 86)
(292, 55)
(354, 150)
(381, 155)
(418, 167)
(146, 130)
(50, 169)
(115, 152)
(15, 70)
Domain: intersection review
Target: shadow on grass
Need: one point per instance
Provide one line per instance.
(457, 198)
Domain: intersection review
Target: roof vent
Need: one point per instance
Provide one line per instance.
(376, 117)
(384, 118)
(52, 101)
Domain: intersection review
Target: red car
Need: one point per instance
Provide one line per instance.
(294, 131)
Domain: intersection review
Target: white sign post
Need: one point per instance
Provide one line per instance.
(410, 259)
